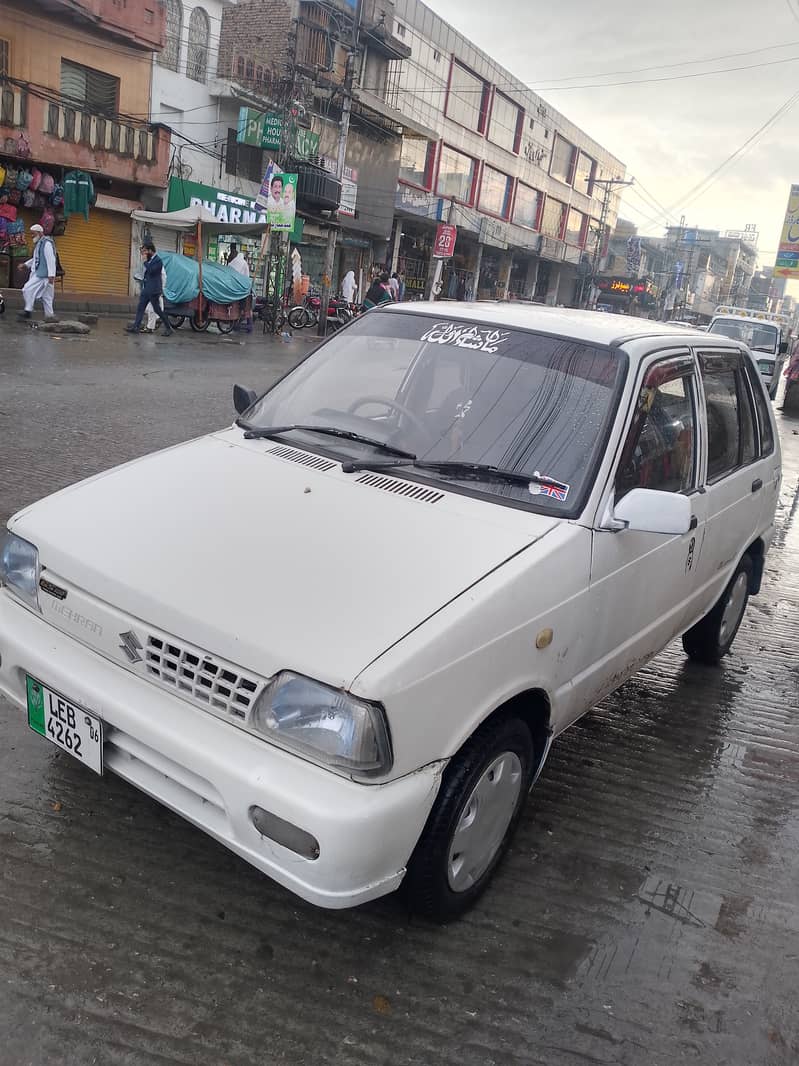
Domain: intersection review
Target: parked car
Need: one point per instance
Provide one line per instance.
(341, 635)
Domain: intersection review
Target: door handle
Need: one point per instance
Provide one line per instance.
(694, 522)
(757, 484)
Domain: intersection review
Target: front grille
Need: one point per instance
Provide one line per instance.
(221, 686)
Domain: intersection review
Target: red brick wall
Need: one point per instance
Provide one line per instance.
(260, 32)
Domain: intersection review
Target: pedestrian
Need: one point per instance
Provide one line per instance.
(237, 262)
(151, 290)
(349, 287)
(41, 283)
(790, 402)
(401, 280)
(379, 292)
(152, 318)
(394, 286)
(460, 292)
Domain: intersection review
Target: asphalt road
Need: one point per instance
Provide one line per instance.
(647, 915)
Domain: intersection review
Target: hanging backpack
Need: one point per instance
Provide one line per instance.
(24, 179)
(15, 197)
(47, 221)
(11, 177)
(2, 175)
(57, 199)
(28, 198)
(36, 179)
(47, 184)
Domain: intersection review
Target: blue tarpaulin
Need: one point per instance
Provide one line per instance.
(220, 283)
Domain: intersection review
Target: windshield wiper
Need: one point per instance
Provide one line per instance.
(256, 433)
(462, 470)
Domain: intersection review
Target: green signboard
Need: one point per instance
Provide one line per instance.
(264, 129)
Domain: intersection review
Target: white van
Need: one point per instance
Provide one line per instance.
(341, 635)
(766, 334)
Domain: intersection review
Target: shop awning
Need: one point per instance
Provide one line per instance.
(186, 220)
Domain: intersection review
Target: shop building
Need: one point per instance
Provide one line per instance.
(75, 113)
(523, 184)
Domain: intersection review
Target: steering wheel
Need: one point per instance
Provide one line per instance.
(394, 405)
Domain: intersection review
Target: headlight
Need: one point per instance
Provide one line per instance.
(346, 734)
(19, 568)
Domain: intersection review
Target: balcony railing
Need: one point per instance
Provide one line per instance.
(102, 133)
(62, 133)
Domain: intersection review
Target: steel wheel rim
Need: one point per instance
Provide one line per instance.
(484, 821)
(734, 608)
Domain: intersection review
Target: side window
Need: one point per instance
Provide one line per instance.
(730, 416)
(660, 451)
(766, 433)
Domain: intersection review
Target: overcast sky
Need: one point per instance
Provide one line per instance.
(670, 134)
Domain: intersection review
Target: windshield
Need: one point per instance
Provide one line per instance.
(758, 335)
(452, 391)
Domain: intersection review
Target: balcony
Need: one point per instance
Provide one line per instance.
(62, 134)
(317, 188)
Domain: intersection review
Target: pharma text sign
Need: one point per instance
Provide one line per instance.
(225, 206)
(264, 129)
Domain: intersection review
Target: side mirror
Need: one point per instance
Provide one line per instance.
(243, 398)
(783, 347)
(652, 511)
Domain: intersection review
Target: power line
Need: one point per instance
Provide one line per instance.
(702, 187)
(681, 63)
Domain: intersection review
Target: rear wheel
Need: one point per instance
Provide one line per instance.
(473, 821)
(710, 640)
(225, 327)
(199, 327)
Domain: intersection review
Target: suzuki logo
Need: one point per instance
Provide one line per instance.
(131, 646)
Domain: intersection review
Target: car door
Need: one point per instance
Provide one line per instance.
(737, 471)
(643, 584)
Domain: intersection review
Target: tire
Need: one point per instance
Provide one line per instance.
(224, 326)
(298, 318)
(176, 321)
(442, 883)
(711, 638)
(199, 327)
(773, 391)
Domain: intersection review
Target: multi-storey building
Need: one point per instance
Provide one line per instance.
(75, 96)
(525, 187)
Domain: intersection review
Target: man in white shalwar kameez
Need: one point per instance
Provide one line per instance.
(41, 283)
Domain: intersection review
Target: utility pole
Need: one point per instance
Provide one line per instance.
(609, 184)
(344, 129)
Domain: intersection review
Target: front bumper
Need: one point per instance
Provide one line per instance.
(212, 773)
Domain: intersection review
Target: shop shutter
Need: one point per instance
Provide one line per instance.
(95, 255)
(165, 240)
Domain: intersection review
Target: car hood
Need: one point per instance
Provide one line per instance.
(249, 553)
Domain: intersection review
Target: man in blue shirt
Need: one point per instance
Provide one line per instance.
(151, 290)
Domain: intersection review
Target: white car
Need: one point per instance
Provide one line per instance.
(341, 635)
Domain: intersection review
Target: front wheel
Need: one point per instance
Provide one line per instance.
(175, 321)
(711, 638)
(472, 822)
(197, 326)
(298, 317)
(225, 326)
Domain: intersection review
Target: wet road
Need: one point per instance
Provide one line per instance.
(647, 915)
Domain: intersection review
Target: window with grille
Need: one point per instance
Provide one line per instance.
(89, 88)
(170, 54)
(5, 58)
(197, 59)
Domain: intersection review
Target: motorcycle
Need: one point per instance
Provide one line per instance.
(306, 314)
(2, 304)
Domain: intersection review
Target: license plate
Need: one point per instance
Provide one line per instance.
(68, 727)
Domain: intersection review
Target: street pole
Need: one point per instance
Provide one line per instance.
(609, 183)
(344, 129)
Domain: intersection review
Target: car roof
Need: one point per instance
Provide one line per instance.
(593, 327)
